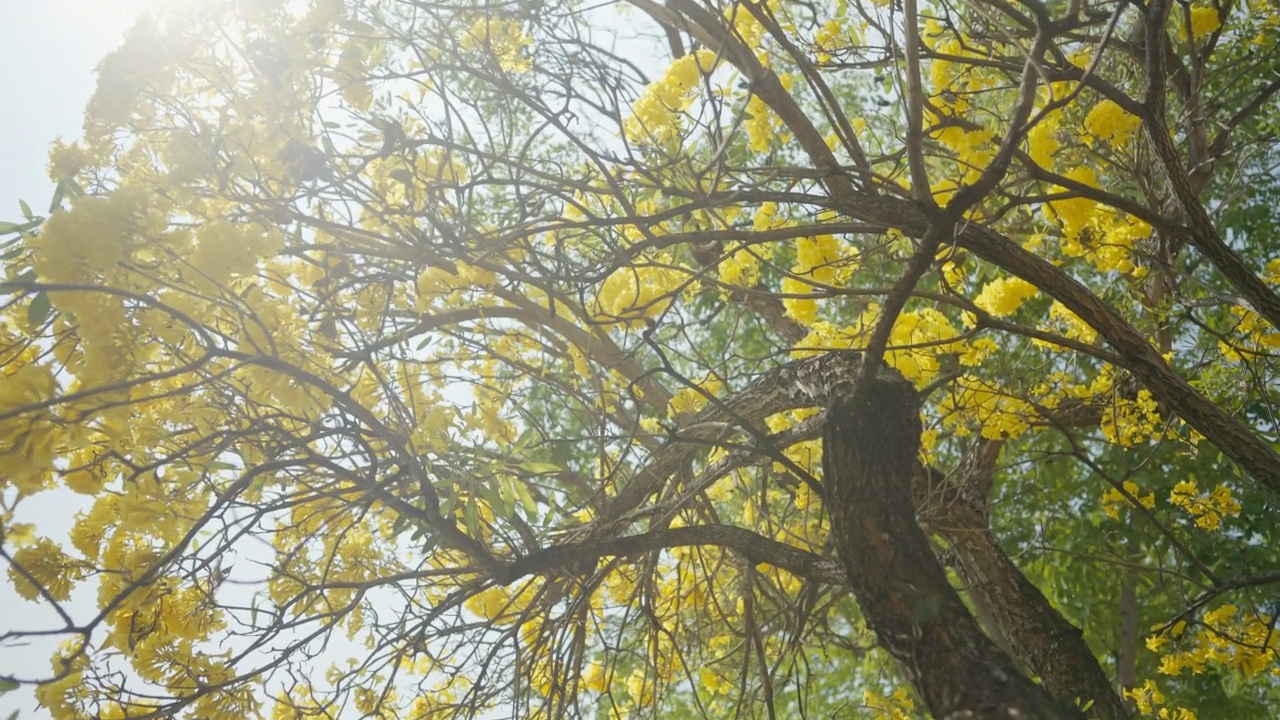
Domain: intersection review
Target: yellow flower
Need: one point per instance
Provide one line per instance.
(501, 37)
(1111, 123)
(803, 310)
(1075, 214)
(1204, 21)
(633, 293)
(1207, 510)
(1144, 696)
(1113, 500)
(1218, 617)
(1042, 146)
(713, 682)
(1004, 296)
(44, 566)
(655, 116)
(692, 399)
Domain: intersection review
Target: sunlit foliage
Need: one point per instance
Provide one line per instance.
(360, 338)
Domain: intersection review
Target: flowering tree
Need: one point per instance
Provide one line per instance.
(545, 359)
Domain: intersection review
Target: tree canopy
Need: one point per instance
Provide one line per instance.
(750, 358)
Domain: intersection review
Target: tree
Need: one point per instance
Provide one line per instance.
(547, 359)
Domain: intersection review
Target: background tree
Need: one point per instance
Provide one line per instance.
(422, 360)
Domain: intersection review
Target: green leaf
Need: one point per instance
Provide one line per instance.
(8, 685)
(18, 283)
(526, 500)
(39, 310)
(540, 468)
(58, 194)
(492, 494)
(471, 517)
(7, 228)
(400, 525)
(448, 505)
(26, 210)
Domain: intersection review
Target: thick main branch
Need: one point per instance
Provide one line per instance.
(870, 452)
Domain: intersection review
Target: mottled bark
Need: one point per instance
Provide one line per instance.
(1037, 635)
(1052, 648)
(870, 457)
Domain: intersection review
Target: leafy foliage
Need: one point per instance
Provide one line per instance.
(415, 360)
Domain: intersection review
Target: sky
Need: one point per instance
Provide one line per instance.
(47, 61)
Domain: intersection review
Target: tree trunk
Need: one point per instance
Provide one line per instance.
(871, 444)
(1052, 648)
(1031, 630)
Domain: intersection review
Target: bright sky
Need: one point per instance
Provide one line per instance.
(47, 62)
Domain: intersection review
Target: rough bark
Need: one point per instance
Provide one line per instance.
(871, 442)
(1201, 231)
(1038, 636)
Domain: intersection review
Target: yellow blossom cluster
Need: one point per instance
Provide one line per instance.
(1253, 336)
(1102, 236)
(748, 28)
(1207, 509)
(973, 149)
(1067, 324)
(832, 38)
(952, 82)
(1128, 422)
(1114, 501)
(691, 399)
(1240, 641)
(1075, 214)
(1204, 21)
(501, 37)
(918, 339)
(973, 402)
(42, 565)
(917, 342)
(29, 442)
(90, 241)
(1109, 122)
(504, 605)
(896, 706)
(739, 265)
(405, 181)
(763, 127)
(635, 292)
(821, 261)
(1149, 701)
(1002, 297)
(655, 116)
(224, 249)
(1042, 143)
